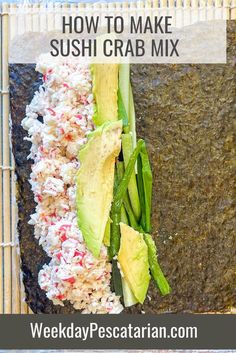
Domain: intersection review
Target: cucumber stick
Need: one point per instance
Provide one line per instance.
(127, 148)
(124, 85)
(132, 120)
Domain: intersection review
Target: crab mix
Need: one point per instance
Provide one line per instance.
(58, 120)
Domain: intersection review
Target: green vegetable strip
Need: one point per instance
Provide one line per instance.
(141, 192)
(124, 82)
(123, 215)
(122, 114)
(120, 171)
(116, 278)
(132, 120)
(147, 184)
(115, 217)
(128, 208)
(122, 188)
(116, 182)
(127, 148)
(118, 200)
(115, 232)
(120, 174)
(126, 202)
(155, 268)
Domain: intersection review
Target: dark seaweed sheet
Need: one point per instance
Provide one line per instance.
(186, 113)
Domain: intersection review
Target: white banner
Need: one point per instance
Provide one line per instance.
(162, 35)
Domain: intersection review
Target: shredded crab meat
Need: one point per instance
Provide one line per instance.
(58, 120)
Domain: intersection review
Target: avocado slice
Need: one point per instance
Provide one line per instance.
(133, 260)
(105, 89)
(95, 181)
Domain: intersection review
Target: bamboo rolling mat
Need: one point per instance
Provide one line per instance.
(14, 21)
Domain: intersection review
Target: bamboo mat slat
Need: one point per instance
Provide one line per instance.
(1, 205)
(6, 172)
(16, 300)
(11, 297)
(47, 17)
(233, 10)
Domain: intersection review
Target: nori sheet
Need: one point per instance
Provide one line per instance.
(186, 114)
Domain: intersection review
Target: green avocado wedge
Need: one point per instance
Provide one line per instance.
(133, 260)
(94, 183)
(105, 91)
